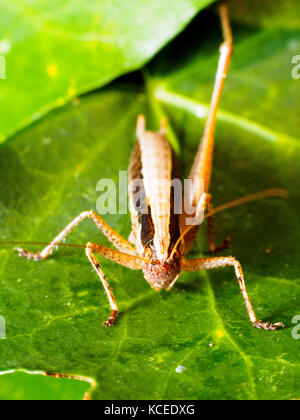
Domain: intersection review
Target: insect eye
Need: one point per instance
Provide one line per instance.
(148, 253)
(176, 254)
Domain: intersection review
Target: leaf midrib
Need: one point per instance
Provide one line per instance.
(163, 95)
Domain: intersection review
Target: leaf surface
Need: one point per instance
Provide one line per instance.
(195, 342)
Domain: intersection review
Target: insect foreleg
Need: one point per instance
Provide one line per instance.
(210, 263)
(204, 206)
(213, 248)
(128, 261)
(120, 243)
(107, 288)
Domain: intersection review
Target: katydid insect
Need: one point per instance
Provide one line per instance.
(161, 239)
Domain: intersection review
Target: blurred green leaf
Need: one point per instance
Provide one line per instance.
(55, 309)
(21, 386)
(281, 13)
(57, 50)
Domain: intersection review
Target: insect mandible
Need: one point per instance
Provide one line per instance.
(160, 238)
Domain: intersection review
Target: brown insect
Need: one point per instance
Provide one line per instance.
(161, 238)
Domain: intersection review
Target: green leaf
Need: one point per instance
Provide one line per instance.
(54, 310)
(64, 48)
(260, 86)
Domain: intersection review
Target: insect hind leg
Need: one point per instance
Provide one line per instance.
(202, 166)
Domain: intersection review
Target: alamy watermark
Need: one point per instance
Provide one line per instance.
(179, 196)
(296, 330)
(2, 67)
(296, 68)
(2, 328)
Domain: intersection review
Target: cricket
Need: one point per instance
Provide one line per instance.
(161, 239)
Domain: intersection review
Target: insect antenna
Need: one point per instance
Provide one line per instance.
(40, 244)
(274, 192)
(17, 243)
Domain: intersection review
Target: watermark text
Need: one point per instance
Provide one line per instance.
(181, 195)
(296, 68)
(2, 328)
(296, 330)
(2, 67)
